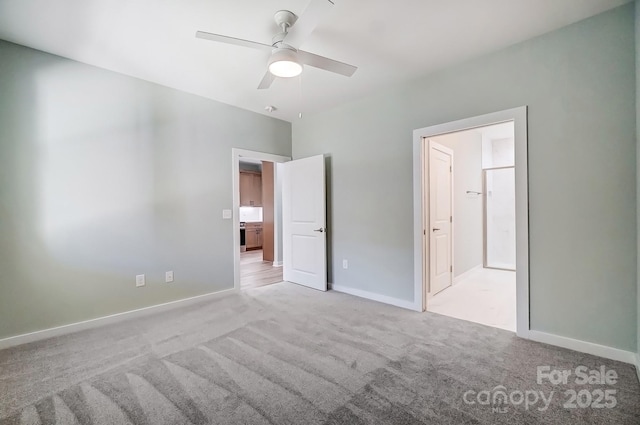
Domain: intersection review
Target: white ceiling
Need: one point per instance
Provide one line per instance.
(389, 41)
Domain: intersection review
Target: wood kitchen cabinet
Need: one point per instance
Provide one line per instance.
(250, 189)
(253, 235)
(251, 238)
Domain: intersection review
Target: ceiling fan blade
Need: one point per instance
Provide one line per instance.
(307, 22)
(232, 40)
(326, 63)
(267, 80)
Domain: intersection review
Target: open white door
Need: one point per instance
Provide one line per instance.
(303, 222)
(440, 216)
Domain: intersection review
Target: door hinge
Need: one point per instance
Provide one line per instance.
(451, 269)
(450, 219)
(424, 232)
(450, 168)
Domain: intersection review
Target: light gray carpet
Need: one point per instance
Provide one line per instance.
(284, 354)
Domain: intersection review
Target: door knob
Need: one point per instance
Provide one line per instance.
(319, 230)
(434, 229)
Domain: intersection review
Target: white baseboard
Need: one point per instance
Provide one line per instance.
(106, 320)
(467, 273)
(409, 305)
(278, 264)
(584, 347)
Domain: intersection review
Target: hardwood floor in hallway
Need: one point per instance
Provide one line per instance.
(254, 272)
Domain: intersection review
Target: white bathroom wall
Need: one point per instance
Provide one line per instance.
(502, 152)
(497, 145)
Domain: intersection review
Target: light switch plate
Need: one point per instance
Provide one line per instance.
(140, 280)
(168, 277)
(227, 214)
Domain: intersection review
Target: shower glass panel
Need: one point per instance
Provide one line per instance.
(500, 218)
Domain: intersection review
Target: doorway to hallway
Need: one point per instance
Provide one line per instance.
(257, 216)
(297, 218)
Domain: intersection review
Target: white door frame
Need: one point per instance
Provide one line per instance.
(421, 206)
(236, 154)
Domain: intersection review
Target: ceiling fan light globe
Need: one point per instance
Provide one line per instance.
(285, 69)
(284, 63)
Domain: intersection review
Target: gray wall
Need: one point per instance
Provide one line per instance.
(103, 177)
(579, 84)
(468, 243)
(637, 7)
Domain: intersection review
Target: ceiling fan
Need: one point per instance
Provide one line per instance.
(286, 59)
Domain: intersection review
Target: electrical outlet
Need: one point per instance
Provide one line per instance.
(140, 280)
(168, 277)
(345, 264)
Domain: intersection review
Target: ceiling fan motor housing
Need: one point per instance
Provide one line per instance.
(285, 19)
